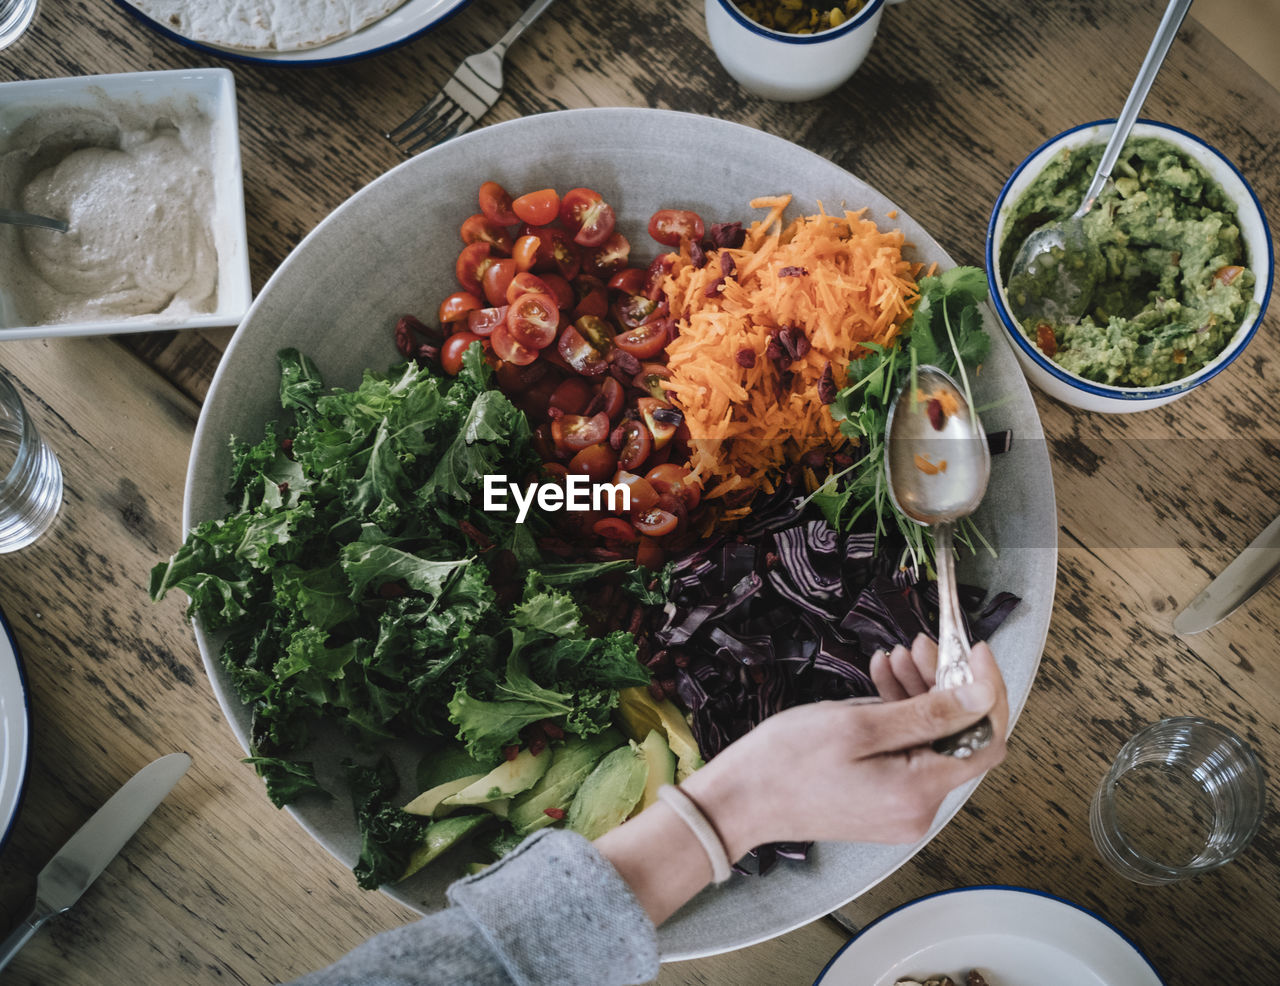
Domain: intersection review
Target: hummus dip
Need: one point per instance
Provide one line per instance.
(137, 194)
(1172, 285)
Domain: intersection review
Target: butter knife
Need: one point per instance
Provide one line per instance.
(97, 842)
(1253, 569)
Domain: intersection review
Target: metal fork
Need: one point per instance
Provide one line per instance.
(468, 95)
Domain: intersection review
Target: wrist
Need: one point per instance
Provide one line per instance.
(727, 806)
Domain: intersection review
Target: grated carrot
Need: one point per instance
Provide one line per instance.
(838, 280)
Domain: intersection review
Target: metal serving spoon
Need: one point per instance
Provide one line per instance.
(28, 219)
(1058, 257)
(938, 464)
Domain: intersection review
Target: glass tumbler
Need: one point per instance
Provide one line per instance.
(30, 477)
(1183, 796)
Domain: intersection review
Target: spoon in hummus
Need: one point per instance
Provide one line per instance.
(1054, 272)
(938, 463)
(28, 219)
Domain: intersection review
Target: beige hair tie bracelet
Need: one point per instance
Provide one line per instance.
(703, 830)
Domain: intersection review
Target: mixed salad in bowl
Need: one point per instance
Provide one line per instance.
(555, 666)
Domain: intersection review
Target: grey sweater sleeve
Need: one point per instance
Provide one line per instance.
(552, 911)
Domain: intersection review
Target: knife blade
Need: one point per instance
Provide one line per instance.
(1250, 571)
(98, 841)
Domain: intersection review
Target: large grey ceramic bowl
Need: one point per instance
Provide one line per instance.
(391, 250)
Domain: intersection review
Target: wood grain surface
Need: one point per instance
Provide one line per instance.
(220, 887)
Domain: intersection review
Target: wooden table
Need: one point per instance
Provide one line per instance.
(220, 887)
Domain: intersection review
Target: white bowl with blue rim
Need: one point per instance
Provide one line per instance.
(790, 67)
(1078, 391)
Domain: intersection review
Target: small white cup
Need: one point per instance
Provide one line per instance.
(790, 67)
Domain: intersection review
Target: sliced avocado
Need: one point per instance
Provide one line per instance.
(570, 765)
(498, 807)
(640, 713)
(428, 802)
(662, 768)
(609, 793)
(448, 763)
(474, 868)
(506, 780)
(441, 835)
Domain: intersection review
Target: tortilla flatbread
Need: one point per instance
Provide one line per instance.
(266, 25)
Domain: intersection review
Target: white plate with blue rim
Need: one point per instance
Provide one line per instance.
(410, 20)
(1014, 936)
(15, 730)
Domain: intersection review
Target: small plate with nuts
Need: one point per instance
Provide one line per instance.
(989, 936)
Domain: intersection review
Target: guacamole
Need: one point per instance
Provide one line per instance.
(1167, 257)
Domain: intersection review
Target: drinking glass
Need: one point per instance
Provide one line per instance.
(15, 17)
(1183, 796)
(30, 477)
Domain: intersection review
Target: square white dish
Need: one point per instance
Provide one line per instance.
(208, 92)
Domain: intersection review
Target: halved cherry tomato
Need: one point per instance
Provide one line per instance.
(596, 331)
(634, 310)
(674, 479)
(650, 378)
(470, 266)
(592, 297)
(456, 306)
(555, 471)
(579, 354)
(588, 216)
(562, 289)
(574, 432)
(452, 350)
(481, 229)
(612, 397)
(572, 396)
(655, 522)
(649, 554)
(596, 461)
(526, 283)
(629, 280)
(661, 266)
(496, 204)
(661, 418)
(670, 226)
(495, 279)
(532, 320)
(615, 529)
(537, 208)
(525, 251)
(641, 492)
(556, 252)
(509, 349)
(610, 256)
(645, 341)
(483, 321)
(636, 445)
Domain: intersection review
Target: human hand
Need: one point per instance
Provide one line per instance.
(854, 771)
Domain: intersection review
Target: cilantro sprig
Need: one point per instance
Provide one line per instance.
(945, 330)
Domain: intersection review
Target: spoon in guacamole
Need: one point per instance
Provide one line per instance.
(938, 463)
(1054, 272)
(28, 219)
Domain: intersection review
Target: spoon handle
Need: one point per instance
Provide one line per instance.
(953, 648)
(1165, 33)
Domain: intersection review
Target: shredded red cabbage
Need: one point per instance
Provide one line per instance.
(787, 612)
